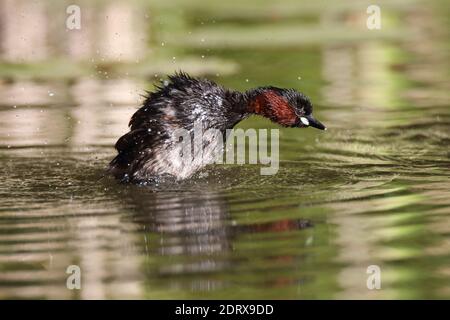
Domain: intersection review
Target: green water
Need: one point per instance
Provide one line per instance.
(372, 190)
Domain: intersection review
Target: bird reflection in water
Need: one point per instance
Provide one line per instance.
(190, 235)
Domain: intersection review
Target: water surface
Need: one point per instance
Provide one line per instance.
(372, 190)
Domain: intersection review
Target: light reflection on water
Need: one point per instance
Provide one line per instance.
(374, 189)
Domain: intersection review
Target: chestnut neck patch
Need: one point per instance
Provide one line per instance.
(273, 106)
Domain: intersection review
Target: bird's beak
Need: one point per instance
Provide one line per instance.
(311, 122)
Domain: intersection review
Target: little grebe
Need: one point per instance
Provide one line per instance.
(149, 150)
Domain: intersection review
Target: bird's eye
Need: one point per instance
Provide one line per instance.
(298, 112)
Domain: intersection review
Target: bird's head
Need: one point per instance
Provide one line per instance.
(286, 107)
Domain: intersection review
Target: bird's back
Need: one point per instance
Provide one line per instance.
(149, 149)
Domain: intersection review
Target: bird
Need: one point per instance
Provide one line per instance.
(150, 150)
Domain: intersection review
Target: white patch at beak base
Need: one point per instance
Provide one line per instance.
(304, 121)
